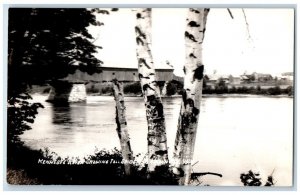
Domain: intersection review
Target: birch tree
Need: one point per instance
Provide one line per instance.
(122, 129)
(192, 93)
(157, 140)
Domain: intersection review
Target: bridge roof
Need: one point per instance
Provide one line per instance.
(108, 73)
(133, 66)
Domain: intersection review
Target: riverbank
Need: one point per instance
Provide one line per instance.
(32, 167)
(175, 90)
(26, 166)
(204, 95)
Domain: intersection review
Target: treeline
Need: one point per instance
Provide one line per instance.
(107, 88)
(276, 90)
(175, 88)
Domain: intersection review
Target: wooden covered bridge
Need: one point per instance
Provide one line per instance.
(72, 88)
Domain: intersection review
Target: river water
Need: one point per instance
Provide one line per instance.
(235, 133)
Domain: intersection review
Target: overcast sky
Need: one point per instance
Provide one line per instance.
(227, 48)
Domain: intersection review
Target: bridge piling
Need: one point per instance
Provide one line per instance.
(62, 92)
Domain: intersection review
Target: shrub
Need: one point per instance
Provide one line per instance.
(232, 89)
(252, 90)
(19, 177)
(289, 90)
(274, 91)
(258, 88)
(179, 85)
(253, 179)
(250, 179)
(242, 90)
(106, 89)
(171, 89)
(104, 167)
(207, 90)
(20, 113)
(92, 89)
(134, 88)
(220, 89)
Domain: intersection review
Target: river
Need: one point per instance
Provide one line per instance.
(235, 133)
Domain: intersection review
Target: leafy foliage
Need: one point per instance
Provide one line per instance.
(134, 88)
(20, 113)
(253, 179)
(250, 179)
(247, 90)
(289, 90)
(274, 91)
(103, 167)
(171, 89)
(46, 44)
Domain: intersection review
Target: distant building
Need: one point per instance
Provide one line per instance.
(287, 74)
(235, 80)
(246, 78)
(224, 78)
(256, 77)
(227, 79)
(259, 77)
(211, 80)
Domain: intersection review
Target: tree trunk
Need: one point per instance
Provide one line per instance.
(164, 90)
(157, 140)
(191, 97)
(122, 126)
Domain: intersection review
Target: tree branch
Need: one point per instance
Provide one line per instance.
(249, 35)
(195, 175)
(230, 13)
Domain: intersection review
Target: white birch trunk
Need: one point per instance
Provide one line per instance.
(192, 93)
(122, 126)
(157, 140)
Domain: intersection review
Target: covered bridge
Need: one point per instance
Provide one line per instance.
(72, 88)
(120, 73)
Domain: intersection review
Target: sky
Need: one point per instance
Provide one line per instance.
(228, 48)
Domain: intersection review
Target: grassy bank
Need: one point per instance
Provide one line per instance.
(31, 167)
(37, 167)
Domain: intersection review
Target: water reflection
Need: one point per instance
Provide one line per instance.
(61, 114)
(68, 121)
(69, 115)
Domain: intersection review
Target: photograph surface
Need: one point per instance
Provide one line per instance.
(150, 96)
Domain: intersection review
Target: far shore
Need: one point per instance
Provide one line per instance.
(179, 96)
(203, 95)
